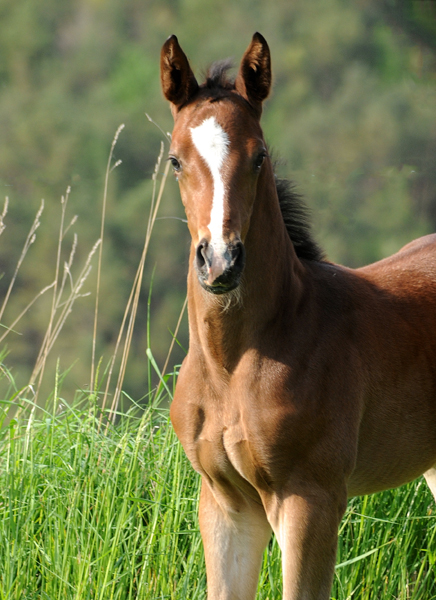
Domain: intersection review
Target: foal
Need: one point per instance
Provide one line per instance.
(305, 382)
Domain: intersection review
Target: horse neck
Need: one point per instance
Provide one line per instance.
(222, 328)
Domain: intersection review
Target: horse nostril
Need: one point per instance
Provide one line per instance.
(238, 255)
(201, 254)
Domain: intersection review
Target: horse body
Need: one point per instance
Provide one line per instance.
(369, 366)
(305, 382)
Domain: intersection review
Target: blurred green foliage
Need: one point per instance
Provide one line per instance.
(352, 117)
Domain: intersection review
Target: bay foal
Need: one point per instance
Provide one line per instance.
(305, 382)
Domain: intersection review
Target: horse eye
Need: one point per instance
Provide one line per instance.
(259, 160)
(175, 163)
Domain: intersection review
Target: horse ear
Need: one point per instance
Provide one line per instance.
(253, 81)
(177, 79)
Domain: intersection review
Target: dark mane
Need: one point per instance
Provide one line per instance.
(294, 211)
(295, 215)
(217, 77)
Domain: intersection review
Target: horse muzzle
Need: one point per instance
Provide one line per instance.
(219, 272)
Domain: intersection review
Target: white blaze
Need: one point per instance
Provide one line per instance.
(212, 143)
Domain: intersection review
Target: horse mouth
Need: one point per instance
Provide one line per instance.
(218, 288)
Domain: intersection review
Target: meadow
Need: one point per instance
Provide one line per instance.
(98, 501)
(92, 509)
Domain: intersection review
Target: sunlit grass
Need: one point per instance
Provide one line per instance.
(91, 512)
(87, 514)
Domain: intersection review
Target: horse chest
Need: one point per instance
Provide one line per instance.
(232, 437)
(225, 453)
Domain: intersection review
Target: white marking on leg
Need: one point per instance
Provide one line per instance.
(430, 477)
(212, 143)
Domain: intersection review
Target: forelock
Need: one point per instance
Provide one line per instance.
(217, 76)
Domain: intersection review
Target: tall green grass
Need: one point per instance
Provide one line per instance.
(111, 513)
(97, 502)
(92, 512)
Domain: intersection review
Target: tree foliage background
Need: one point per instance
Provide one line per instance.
(352, 117)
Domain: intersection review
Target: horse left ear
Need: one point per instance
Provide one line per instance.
(253, 81)
(177, 79)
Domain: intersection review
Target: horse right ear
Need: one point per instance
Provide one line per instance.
(253, 81)
(177, 79)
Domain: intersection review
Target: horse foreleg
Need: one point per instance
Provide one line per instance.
(234, 540)
(430, 477)
(306, 527)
